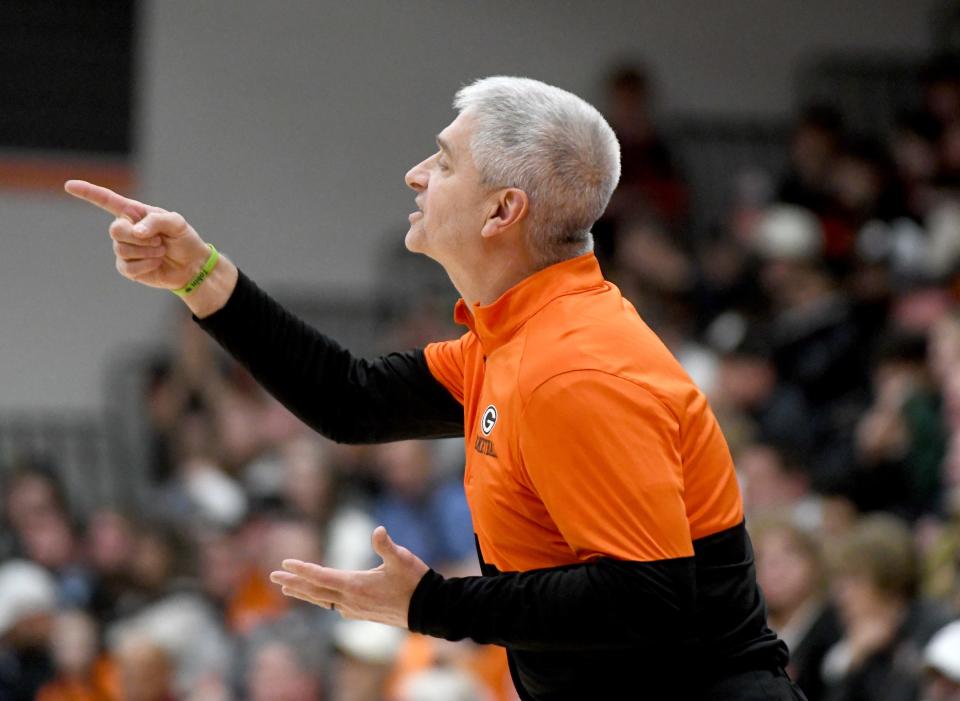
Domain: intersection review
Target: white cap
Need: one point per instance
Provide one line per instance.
(788, 232)
(943, 652)
(372, 642)
(25, 589)
(440, 684)
(216, 496)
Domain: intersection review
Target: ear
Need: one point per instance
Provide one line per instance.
(509, 209)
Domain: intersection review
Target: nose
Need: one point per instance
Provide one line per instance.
(416, 177)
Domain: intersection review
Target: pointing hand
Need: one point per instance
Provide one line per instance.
(152, 246)
(159, 248)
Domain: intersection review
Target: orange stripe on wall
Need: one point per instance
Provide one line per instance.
(49, 173)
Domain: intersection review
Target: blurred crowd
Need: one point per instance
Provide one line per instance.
(820, 314)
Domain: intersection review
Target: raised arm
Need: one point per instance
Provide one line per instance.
(348, 399)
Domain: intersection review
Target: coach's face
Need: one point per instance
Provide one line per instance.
(452, 202)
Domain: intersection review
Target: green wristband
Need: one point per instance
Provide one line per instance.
(202, 275)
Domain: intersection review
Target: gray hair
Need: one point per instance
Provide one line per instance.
(555, 147)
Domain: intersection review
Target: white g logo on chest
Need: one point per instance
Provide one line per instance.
(489, 420)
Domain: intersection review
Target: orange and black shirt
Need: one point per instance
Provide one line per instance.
(608, 519)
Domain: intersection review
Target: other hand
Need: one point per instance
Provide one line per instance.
(381, 595)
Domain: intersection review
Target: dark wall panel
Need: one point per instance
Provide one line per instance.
(66, 75)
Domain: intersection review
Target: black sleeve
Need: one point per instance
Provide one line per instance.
(347, 399)
(603, 604)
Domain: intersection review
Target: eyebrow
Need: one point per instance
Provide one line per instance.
(444, 146)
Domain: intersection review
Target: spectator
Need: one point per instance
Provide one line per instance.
(658, 277)
(31, 490)
(885, 625)
(900, 438)
(944, 348)
(81, 673)
(49, 540)
(650, 182)
(41, 530)
(302, 625)
(941, 90)
(426, 517)
(726, 280)
(278, 672)
(941, 660)
(775, 481)
(199, 490)
(366, 656)
(191, 381)
(817, 342)
(145, 670)
(221, 567)
(940, 536)
(316, 490)
(751, 401)
(109, 544)
(814, 145)
(255, 600)
(863, 188)
(28, 601)
(915, 154)
(791, 573)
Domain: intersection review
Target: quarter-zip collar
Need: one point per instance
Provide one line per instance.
(498, 322)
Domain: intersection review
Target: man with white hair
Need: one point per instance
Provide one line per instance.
(607, 515)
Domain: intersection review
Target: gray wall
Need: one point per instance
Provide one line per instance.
(283, 130)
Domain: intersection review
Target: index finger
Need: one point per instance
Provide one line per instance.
(106, 199)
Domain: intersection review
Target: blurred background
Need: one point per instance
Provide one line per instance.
(788, 221)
